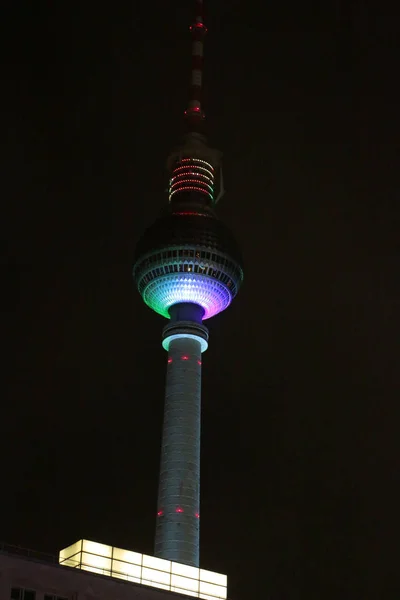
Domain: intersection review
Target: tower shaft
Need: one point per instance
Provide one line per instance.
(177, 530)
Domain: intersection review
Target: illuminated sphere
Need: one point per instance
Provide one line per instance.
(188, 256)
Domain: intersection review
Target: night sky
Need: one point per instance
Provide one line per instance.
(300, 445)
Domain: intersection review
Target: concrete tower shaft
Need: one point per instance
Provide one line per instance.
(177, 529)
(178, 513)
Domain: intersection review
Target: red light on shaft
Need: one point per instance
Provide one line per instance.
(160, 513)
(179, 509)
(184, 357)
(169, 360)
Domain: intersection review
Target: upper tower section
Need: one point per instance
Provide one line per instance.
(195, 167)
(188, 255)
(194, 114)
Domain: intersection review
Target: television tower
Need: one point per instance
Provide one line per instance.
(187, 268)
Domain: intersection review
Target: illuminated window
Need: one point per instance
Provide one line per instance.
(142, 569)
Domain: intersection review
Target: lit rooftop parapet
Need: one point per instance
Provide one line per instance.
(144, 569)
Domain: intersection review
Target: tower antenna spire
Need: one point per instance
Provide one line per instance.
(194, 113)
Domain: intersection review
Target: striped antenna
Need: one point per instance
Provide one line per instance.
(194, 113)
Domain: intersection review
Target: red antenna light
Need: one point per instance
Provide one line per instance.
(179, 509)
(198, 25)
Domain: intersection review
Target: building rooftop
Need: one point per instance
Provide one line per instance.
(145, 570)
(102, 571)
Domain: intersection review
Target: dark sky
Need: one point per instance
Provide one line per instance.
(300, 447)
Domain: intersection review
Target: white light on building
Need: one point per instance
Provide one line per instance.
(144, 569)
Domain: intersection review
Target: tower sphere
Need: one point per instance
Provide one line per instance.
(188, 256)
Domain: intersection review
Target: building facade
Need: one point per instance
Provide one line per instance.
(25, 575)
